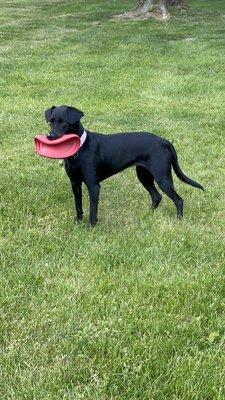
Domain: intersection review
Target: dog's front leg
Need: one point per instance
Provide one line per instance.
(93, 196)
(76, 184)
(77, 191)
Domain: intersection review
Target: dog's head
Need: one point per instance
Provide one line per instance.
(62, 120)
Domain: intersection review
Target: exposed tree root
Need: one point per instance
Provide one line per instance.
(137, 15)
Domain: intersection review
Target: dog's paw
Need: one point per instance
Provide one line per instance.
(78, 219)
(92, 224)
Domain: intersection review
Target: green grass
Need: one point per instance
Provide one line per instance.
(135, 308)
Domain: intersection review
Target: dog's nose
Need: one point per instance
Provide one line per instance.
(50, 136)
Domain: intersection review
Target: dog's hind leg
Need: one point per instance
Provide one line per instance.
(165, 183)
(147, 180)
(163, 177)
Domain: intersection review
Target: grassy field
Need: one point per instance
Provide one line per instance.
(135, 308)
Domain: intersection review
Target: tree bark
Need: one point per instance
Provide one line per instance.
(145, 6)
(177, 3)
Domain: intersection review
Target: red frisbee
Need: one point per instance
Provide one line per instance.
(63, 147)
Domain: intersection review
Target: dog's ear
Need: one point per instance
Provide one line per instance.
(74, 115)
(48, 113)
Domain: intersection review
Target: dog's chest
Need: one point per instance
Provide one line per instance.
(72, 166)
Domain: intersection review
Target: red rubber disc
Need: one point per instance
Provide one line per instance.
(63, 147)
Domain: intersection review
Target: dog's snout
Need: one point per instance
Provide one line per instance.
(51, 136)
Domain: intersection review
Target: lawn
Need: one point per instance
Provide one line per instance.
(134, 308)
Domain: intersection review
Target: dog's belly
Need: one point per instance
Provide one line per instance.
(105, 170)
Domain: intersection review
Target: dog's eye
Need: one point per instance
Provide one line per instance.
(60, 120)
(52, 120)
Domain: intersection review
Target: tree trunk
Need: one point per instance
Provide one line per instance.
(146, 5)
(177, 3)
(144, 8)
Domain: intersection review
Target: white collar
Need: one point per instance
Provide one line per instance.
(83, 138)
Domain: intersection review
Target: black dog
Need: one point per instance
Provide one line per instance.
(102, 156)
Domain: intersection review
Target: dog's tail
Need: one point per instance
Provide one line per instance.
(177, 168)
